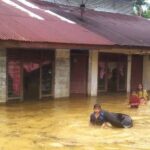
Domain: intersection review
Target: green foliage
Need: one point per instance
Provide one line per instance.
(140, 2)
(146, 14)
(141, 8)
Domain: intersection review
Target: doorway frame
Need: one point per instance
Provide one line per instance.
(117, 64)
(21, 97)
(83, 52)
(140, 67)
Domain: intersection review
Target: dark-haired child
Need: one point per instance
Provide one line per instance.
(98, 116)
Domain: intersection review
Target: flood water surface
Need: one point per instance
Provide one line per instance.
(64, 124)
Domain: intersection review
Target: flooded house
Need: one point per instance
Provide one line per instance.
(48, 50)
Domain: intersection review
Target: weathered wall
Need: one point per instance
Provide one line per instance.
(3, 76)
(93, 73)
(129, 64)
(146, 72)
(62, 73)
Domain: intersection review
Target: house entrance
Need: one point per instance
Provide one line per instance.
(112, 72)
(79, 72)
(30, 74)
(31, 80)
(136, 71)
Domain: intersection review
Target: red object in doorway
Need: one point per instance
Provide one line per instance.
(14, 72)
(29, 67)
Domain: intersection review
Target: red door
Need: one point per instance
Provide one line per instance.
(136, 71)
(79, 72)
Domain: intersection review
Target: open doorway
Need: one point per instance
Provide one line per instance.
(31, 81)
(79, 72)
(112, 72)
(136, 71)
(30, 74)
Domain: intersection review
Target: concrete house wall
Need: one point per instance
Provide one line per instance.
(62, 73)
(3, 82)
(146, 72)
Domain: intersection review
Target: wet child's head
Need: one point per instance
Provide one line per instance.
(97, 108)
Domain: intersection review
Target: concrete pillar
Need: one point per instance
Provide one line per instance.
(3, 86)
(146, 72)
(129, 65)
(93, 73)
(62, 73)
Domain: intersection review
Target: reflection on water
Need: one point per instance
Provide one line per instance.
(63, 124)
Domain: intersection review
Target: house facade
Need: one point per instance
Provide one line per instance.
(48, 52)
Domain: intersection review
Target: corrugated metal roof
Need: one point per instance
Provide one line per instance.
(97, 28)
(121, 29)
(20, 22)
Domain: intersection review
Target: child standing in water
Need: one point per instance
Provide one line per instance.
(142, 94)
(134, 100)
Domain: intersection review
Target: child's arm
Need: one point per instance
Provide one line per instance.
(106, 125)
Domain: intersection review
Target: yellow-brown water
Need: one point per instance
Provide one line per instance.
(64, 124)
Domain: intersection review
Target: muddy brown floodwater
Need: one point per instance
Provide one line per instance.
(64, 124)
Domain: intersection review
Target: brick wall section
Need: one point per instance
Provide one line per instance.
(2, 75)
(62, 73)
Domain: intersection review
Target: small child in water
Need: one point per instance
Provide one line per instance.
(142, 94)
(134, 100)
(98, 117)
(108, 119)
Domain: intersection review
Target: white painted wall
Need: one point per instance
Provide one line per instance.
(129, 64)
(93, 73)
(146, 72)
(62, 73)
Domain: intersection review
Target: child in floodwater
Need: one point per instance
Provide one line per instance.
(142, 94)
(108, 119)
(134, 101)
(98, 117)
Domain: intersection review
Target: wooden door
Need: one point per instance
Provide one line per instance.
(79, 72)
(136, 71)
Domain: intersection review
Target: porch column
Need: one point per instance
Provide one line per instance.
(3, 86)
(129, 65)
(62, 73)
(93, 73)
(146, 72)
